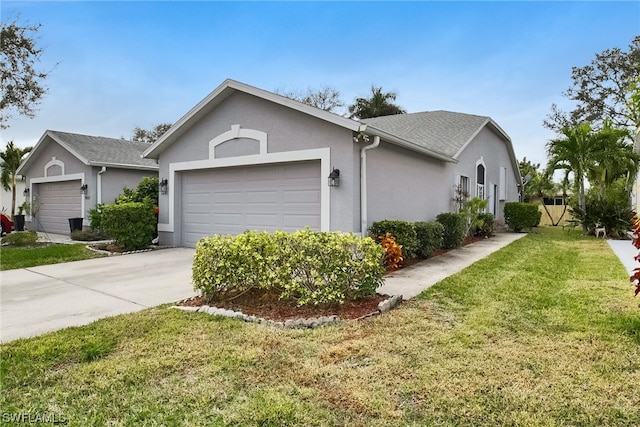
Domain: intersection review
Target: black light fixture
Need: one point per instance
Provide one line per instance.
(83, 189)
(164, 185)
(334, 178)
(25, 193)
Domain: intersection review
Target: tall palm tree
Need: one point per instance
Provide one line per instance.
(576, 152)
(380, 104)
(11, 158)
(617, 159)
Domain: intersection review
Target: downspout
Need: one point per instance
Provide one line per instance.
(363, 184)
(99, 184)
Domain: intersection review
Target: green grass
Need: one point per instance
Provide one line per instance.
(11, 258)
(543, 332)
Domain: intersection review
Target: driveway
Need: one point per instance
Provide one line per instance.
(47, 298)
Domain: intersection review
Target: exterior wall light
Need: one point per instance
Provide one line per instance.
(84, 188)
(25, 193)
(164, 185)
(334, 178)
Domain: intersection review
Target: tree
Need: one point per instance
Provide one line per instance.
(11, 158)
(540, 186)
(617, 159)
(380, 104)
(21, 82)
(150, 136)
(600, 91)
(575, 153)
(602, 157)
(326, 98)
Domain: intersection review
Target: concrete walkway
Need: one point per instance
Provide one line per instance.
(411, 281)
(625, 250)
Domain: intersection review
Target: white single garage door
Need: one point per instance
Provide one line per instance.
(283, 196)
(58, 201)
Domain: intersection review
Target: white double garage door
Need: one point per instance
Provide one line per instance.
(231, 200)
(56, 203)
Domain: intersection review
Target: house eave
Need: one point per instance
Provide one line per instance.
(124, 166)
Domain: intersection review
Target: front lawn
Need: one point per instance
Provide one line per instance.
(11, 257)
(543, 332)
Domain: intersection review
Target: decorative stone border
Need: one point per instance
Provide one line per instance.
(109, 253)
(309, 323)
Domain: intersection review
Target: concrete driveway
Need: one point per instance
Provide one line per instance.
(51, 297)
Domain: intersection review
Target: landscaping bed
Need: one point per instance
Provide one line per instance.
(261, 304)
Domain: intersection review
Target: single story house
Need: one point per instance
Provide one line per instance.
(245, 158)
(68, 174)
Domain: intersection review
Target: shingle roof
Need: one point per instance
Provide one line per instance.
(101, 151)
(444, 132)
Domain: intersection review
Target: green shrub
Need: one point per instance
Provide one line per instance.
(132, 225)
(20, 238)
(519, 216)
(429, 237)
(485, 224)
(146, 191)
(310, 267)
(609, 209)
(454, 229)
(91, 235)
(95, 217)
(404, 233)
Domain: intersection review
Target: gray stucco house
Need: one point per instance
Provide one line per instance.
(245, 158)
(67, 174)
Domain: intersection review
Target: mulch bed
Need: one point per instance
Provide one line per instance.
(259, 303)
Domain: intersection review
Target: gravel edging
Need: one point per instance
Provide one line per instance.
(309, 323)
(109, 253)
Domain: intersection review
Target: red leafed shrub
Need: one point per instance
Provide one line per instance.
(392, 251)
(635, 278)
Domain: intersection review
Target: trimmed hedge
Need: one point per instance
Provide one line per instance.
(455, 229)
(519, 216)
(311, 267)
(132, 225)
(404, 233)
(429, 237)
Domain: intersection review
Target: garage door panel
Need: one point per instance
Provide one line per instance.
(58, 202)
(266, 197)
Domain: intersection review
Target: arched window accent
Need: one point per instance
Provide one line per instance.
(480, 179)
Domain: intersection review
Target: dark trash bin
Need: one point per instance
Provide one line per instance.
(18, 220)
(75, 224)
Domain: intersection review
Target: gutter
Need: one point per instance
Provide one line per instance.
(363, 184)
(99, 184)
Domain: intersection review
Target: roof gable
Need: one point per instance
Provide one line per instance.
(444, 132)
(96, 150)
(224, 91)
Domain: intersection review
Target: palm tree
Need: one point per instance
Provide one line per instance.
(378, 105)
(11, 159)
(577, 152)
(618, 159)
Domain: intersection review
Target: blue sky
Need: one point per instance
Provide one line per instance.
(127, 64)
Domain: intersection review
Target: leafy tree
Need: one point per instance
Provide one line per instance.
(540, 184)
(600, 91)
(150, 136)
(379, 104)
(326, 98)
(21, 83)
(11, 158)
